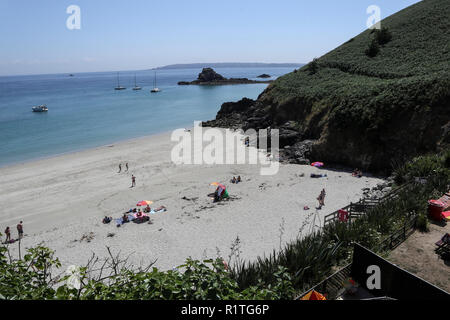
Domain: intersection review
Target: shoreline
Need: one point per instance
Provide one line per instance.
(62, 201)
(49, 157)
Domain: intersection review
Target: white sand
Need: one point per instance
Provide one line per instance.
(65, 197)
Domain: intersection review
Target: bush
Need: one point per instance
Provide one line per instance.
(373, 49)
(313, 66)
(422, 223)
(383, 36)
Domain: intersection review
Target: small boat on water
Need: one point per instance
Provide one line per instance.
(155, 89)
(136, 87)
(42, 108)
(119, 87)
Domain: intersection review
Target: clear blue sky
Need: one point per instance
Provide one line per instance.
(141, 34)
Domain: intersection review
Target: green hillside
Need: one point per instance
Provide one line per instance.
(367, 110)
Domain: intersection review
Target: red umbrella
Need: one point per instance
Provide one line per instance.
(144, 203)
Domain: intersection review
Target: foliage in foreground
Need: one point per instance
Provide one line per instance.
(33, 278)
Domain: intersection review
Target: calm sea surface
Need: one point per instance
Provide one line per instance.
(85, 111)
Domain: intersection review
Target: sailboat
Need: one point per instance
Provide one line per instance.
(136, 87)
(155, 89)
(119, 87)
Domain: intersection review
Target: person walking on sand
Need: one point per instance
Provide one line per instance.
(120, 168)
(20, 230)
(323, 193)
(319, 198)
(126, 166)
(133, 181)
(8, 234)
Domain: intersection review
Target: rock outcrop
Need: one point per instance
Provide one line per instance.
(348, 109)
(209, 77)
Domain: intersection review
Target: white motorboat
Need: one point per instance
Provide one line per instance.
(42, 108)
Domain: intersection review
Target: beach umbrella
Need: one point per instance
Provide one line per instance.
(317, 164)
(144, 203)
(218, 185)
(313, 295)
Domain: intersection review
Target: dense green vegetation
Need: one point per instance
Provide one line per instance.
(383, 93)
(298, 266)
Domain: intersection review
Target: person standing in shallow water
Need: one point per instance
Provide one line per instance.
(133, 181)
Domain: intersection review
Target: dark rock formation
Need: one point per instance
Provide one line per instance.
(360, 112)
(209, 77)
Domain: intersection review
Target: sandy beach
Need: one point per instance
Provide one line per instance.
(63, 199)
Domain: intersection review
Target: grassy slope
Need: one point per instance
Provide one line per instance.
(360, 106)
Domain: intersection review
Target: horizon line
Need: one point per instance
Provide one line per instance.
(147, 69)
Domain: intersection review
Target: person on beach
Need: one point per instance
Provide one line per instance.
(126, 166)
(238, 179)
(323, 193)
(106, 220)
(125, 218)
(8, 234)
(319, 198)
(133, 181)
(233, 180)
(20, 230)
(120, 168)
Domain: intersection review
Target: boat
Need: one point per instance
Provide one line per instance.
(136, 87)
(155, 89)
(42, 108)
(119, 87)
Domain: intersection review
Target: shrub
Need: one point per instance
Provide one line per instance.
(313, 66)
(422, 223)
(383, 36)
(373, 49)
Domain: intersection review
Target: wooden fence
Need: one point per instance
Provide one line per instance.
(333, 286)
(356, 210)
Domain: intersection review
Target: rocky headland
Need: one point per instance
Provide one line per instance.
(209, 77)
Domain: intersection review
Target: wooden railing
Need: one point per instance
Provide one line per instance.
(333, 286)
(357, 209)
(397, 237)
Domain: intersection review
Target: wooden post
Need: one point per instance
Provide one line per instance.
(20, 255)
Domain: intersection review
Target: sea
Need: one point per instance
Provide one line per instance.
(86, 112)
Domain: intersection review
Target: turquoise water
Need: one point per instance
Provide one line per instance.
(85, 111)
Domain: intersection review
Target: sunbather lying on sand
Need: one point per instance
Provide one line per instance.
(314, 175)
(107, 220)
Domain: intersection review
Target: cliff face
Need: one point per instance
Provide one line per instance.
(380, 98)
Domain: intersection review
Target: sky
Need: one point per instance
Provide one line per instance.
(141, 34)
